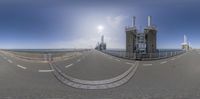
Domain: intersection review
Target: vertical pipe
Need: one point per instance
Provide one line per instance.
(102, 39)
(185, 39)
(133, 21)
(149, 20)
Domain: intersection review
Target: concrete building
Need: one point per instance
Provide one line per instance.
(141, 42)
(131, 33)
(150, 36)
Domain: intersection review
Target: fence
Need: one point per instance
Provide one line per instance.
(44, 57)
(147, 56)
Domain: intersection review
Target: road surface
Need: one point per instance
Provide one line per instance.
(172, 78)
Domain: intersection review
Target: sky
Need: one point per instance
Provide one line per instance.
(40, 24)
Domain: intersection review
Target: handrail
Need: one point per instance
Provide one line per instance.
(148, 56)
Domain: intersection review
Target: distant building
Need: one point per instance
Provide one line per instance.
(131, 33)
(138, 42)
(102, 45)
(150, 36)
(185, 45)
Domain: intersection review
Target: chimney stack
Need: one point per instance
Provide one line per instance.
(149, 21)
(133, 21)
(185, 40)
(102, 39)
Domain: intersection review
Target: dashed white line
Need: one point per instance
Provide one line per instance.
(45, 70)
(10, 61)
(163, 62)
(110, 57)
(21, 66)
(129, 63)
(173, 59)
(78, 60)
(69, 65)
(117, 59)
(147, 64)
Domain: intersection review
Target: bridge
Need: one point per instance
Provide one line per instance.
(91, 74)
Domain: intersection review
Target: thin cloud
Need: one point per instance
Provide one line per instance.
(115, 22)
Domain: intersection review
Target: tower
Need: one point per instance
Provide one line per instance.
(103, 45)
(102, 39)
(150, 37)
(185, 45)
(141, 42)
(131, 33)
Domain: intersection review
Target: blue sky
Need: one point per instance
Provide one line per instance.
(73, 24)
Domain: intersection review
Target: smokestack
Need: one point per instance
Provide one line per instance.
(149, 20)
(133, 21)
(185, 39)
(102, 39)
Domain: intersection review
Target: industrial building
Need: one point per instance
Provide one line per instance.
(141, 42)
(185, 45)
(102, 45)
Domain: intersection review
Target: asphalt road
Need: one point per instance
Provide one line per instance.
(94, 66)
(172, 78)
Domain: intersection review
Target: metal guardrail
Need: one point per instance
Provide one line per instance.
(147, 56)
(47, 56)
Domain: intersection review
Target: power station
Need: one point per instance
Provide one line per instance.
(102, 45)
(185, 45)
(141, 42)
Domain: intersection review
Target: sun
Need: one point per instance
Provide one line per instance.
(100, 28)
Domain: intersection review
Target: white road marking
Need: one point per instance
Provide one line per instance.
(110, 57)
(117, 59)
(163, 62)
(45, 70)
(147, 64)
(10, 61)
(129, 63)
(21, 66)
(78, 60)
(69, 65)
(173, 59)
(179, 56)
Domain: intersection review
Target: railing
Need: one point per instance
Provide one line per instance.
(45, 57)
(147, 56)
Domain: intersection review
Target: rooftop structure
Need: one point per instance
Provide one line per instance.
(141, 42)
(102, 45)
(185, 45)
